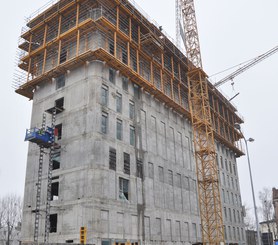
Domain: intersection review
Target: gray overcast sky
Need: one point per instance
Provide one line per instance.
(230, 32)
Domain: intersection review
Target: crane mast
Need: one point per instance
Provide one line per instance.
(205, 155)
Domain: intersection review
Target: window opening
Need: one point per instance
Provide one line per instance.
(104, 122)
(60, 81)
(132, 135)
(179, 180)
(125, 83)
(234, 167)
(126, 163)
(139, 168)
(58, 131)
(123, 188)
(136, 91)
(170, 177)
(112, 75)
(105, 242)
(53, 223)
(186, 183)
(56, 159)
(124, 57)
(119, 129)
(55, 191)
(119, 103)
(160, 174)
(59, 105)
(111, 47)
(112, 158)
(131, 110)
(63, 55)
(151, 170)
(104, 95)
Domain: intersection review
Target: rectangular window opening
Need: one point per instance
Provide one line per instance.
(55, 191)
(111, 47)
(126, 163)
(112, 158)
(178, 180)
(160, 174)
(63, 56)
(104, 95)
(124, 55)
(151, 170)
(139, 168)
(112, 75)
(119, 129)
(53, 218)
(125, 83)
(119, 103)
(132, 135)
(123, 188)
(131, 110)
(104, 123)
(56, 160)
(136, 91)
(59, 105)
(105, 242)
(58, 131)
(170, 177)
(60, 81)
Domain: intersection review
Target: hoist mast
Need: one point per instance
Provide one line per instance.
(204, 144)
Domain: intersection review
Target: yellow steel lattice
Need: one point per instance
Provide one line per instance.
(208, 183)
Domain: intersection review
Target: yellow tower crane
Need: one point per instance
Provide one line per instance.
(205, 155)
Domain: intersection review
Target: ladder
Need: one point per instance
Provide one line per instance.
(49, 176)
(44, 137)
(39, 183)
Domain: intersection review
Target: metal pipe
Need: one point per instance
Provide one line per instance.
(252, 187)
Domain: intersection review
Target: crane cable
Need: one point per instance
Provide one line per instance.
(247, 66)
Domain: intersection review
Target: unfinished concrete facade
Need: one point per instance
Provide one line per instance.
(126, 168)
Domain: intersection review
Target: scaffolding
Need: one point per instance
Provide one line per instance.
(72, 32)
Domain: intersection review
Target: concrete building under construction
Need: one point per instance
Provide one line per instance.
(122, 168)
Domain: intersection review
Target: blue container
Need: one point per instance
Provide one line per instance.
(40, 136)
